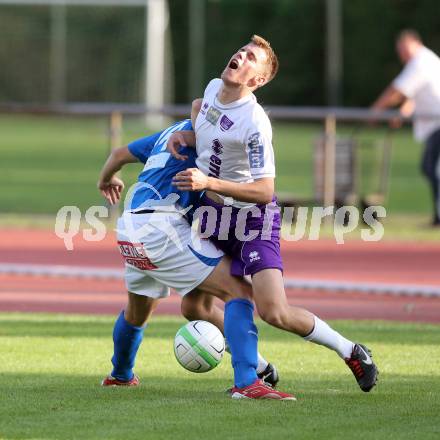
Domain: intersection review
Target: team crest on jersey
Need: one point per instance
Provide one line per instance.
(213, 115)
(217, 147)
(256, 151)
(225, 123)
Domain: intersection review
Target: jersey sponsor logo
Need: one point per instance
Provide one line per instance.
(256, 151)
(135, 255)
(141, 264)
(157, 161)
(204, 108)
(214, 166)
(217, 147)
(213, 115)
(214, 161)
(225, 123)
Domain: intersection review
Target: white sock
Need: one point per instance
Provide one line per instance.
(323, 334)
(262, 363)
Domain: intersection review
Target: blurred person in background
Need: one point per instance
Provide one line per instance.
(417, 91)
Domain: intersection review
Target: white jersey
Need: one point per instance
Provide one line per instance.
(420, 81)
(234, 141)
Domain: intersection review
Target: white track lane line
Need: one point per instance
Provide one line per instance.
(289, 283)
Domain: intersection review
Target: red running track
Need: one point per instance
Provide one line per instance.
(380, 262)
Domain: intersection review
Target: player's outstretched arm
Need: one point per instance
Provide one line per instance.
(390, 97)
(109, 185)
(258, 191)
(183, 138)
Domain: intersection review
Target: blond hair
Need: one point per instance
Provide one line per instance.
(272, 60)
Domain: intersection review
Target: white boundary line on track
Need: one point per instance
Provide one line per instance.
(364, 287)
(61, 271)
(290, 283)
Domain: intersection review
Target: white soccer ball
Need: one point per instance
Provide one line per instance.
(199, 346)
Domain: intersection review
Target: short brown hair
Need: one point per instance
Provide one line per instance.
(410, 34)
(272, 60)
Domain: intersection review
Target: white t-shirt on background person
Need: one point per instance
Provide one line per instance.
(420, 81)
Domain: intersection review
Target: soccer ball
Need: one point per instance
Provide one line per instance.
(199, 346)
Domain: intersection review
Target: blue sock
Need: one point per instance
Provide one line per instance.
(242, 337)
(126, 338)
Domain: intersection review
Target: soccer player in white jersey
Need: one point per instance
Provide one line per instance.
(156, 242)
(417, 88)
(233, 137)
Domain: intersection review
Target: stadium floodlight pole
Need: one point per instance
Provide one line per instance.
(115, 138)
(156, 25)
(157, 19)
(333, 51)
(196, 48)
(329, 164)
(58, 53)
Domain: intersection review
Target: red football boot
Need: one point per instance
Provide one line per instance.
(111, 381)
(260, 390)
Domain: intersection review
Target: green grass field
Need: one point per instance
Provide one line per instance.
(51, 366)
(49, 162)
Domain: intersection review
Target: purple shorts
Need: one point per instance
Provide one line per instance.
(251, 237)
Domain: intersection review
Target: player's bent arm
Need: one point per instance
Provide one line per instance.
(407, 108)
(391, 97)
(109, 185)
(183, 138)
(258, 191)
(195, 108)
(117, 159)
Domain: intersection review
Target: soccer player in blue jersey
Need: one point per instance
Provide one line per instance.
(160, 251)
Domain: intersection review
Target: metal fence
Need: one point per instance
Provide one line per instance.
(335, 160)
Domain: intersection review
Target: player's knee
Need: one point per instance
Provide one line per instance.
(272, 317)
(187, 310)
(191, 309)
(139, 309)
(136, 317)
(236, 287)
(137, 320)
(245, 289)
